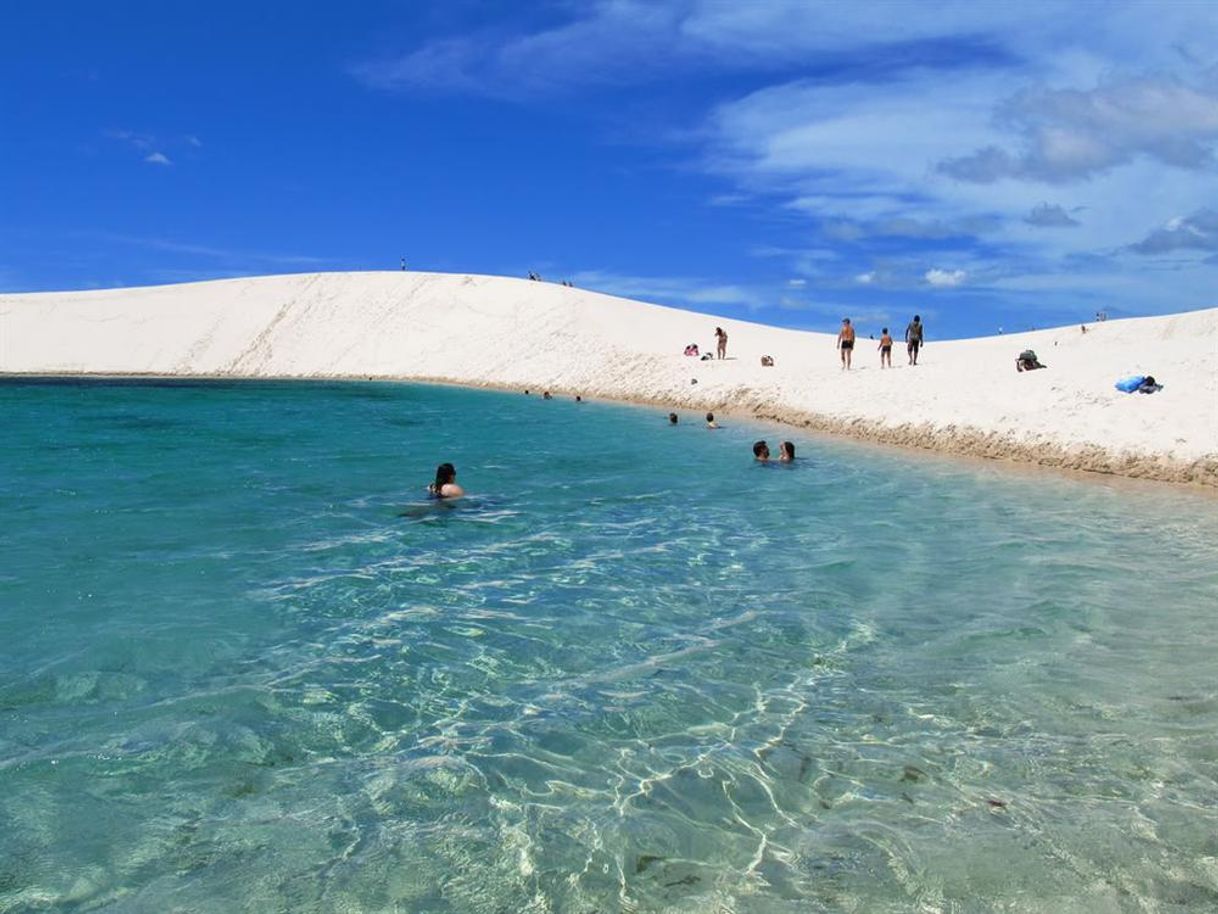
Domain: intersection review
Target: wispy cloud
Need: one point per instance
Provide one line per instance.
(671, 290)
(254, 259)
(151, 148)
(1196, 232)
(1050, 215)
(944, 278)
(1066, 135)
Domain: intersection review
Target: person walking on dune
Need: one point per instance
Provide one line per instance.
(845, 342)
(885, 349)
(913, 339)
(721, 342)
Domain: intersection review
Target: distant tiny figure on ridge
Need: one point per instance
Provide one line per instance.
(761, 451)
(885, 349)
(721, 342)
(710, 421)
(786, 452)
(913, 338)
(845, 342)
(445, 485)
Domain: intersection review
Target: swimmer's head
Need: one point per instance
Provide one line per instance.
(672, 418)
(761, 450)
(710, 417)
(445, 473)
(787, 450)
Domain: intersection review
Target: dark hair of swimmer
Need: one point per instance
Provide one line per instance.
(761, 449)
(710, 417)
(672, 418)
(445, 473)
(787, 450)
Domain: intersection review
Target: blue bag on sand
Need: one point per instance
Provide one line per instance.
(1130, 384)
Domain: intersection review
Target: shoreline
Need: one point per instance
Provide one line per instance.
(963, 398)
(966, 443)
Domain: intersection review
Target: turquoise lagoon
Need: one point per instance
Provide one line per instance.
(245, 667)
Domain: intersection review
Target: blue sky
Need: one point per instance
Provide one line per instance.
(985, 164)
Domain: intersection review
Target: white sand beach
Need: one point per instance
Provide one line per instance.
(964, 397)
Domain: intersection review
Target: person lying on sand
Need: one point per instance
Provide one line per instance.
(1027, 361)
(445, 485)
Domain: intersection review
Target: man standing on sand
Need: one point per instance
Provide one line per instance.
(721, 342)
(845, 342)
(913, 339)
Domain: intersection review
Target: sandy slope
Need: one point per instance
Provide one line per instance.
(964, 397)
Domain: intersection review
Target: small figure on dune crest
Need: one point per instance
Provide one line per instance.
(913, 338)
(845, 343)
(721, 342)
(672, 418)
(885, 349)
(710, 421)
(761, 451)
(445, 485)
(786, 452)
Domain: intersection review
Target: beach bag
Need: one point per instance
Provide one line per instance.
(1130, 384)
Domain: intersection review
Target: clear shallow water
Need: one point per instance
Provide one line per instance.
(635, 672)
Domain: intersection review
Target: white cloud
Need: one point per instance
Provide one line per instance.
(157, 158)
(1195, 232)
(1048, 215)
(865, 279)
(945, 278)
(797, 283)
(1070, 134)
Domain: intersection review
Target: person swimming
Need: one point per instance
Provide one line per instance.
(672, 418)
(710, 421)
(786, 452)
(445, 485)
(761, 451)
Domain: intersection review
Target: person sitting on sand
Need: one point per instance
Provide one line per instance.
(845, 342)
(1027, 361)
(691, 349)
(721, 342)
(710, 421)
(786, 452)
(885, 349)
(767, 361)
(913, 338)
(761, 451)
(672, 418)
(445, 485)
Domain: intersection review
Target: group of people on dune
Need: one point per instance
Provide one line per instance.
(914, 335)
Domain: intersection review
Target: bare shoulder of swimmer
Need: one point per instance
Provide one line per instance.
(452, 490)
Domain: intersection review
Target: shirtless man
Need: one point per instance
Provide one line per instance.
(721, 344)
(913, 338)
(845, 342)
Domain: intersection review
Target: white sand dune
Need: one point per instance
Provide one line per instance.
(965, 396)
